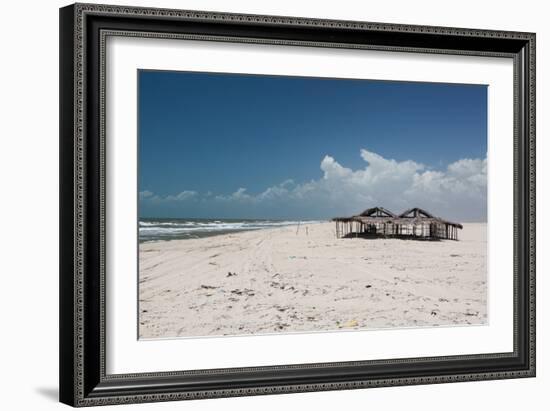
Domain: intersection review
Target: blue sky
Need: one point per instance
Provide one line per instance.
(221, 141)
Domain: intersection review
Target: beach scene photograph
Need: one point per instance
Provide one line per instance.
(282, 204)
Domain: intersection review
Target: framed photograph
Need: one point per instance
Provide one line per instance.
(261, 204)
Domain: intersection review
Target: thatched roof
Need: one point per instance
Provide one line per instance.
(415, 212)
(377, 212)
(417, 215)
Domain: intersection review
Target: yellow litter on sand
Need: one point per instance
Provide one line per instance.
(350, 323)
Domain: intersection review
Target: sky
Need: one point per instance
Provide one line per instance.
(215, 145)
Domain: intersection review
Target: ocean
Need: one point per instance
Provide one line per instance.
(154, 229)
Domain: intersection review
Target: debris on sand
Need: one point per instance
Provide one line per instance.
(350, 324)
(246, 291)
(208, 287)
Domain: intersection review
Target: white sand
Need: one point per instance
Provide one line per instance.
(281, 281)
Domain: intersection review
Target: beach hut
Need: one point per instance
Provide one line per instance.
(420, 223)
(413, 223)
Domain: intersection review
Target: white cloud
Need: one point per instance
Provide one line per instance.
(182, 196)
(145, 194)
(458, 192)
(240, 195)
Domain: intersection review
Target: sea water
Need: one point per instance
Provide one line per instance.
(155, 229)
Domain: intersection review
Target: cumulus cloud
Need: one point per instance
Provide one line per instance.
(458, 192)
(239, 195)
(182, 196)
(145, 194)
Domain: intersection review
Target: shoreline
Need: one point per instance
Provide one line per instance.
(237, 231)
(232, 232)
(184, 229)
(274, 280)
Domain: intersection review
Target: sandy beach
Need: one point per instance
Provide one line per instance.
(302, 279)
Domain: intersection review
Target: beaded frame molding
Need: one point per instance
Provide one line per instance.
(83, 32)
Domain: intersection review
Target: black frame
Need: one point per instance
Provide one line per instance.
(83, 30)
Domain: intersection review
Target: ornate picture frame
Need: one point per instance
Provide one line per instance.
(84, 29)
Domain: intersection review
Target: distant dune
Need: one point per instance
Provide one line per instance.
(303, 279)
